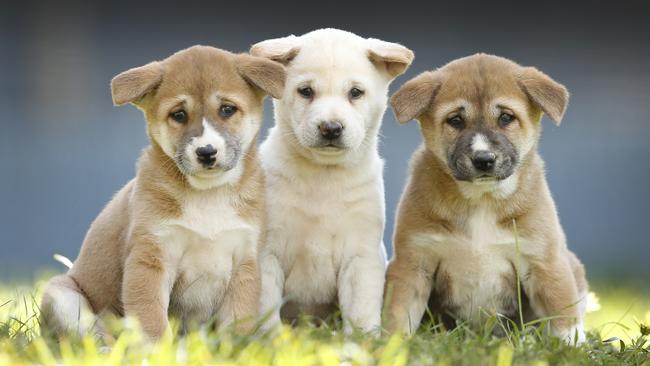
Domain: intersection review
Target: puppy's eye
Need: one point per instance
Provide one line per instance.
(456, 122)
(306, 92)
(227, 110)
(356, 93)
(179, 116)
(505, 119)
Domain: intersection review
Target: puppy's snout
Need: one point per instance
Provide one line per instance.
(331, 130)
(206, 154)
(484, 160)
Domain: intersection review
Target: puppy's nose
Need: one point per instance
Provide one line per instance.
(331, 130)
(205, 154)
(484, 160)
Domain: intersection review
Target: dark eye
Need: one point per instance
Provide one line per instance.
(456, 122)
(505, 119)
(356, 93)
(306, 92)
(227, 110)
(179, 116)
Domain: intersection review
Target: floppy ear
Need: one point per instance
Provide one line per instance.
(394, 57)
(281, 50)
(545, 93)
(267, 75)
(131, 85)
(415, 96)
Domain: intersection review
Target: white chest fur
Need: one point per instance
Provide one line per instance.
(476, 269)
(201, 248)
(318, 223)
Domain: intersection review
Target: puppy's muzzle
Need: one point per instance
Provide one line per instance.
(206, 155)
(484, 161)
(331, 130)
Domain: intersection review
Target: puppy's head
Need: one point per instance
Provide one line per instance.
(203, 107)
(480, 114)
(336, 89)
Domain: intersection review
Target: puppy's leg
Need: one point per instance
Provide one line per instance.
(271, 294)
(583, 289)
(65, 309)
(554, 293)
(146, 289)
(407, 291)
(360, 292)
(241, 303)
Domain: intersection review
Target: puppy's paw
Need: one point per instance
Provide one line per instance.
(270, 324)
(371, 327)
(572, 336)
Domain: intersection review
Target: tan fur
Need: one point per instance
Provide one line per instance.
(414, 96)
(433, 204)
(133, 84)
(546, 94)
(243, 297)
(123, 267)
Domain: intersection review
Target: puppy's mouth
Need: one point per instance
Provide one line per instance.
(485, 179)
(198, 170)
(210, 171)
(329, 148)
(479, 179)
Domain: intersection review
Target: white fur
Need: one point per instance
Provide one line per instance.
(492, 252)
(204, 179)
(71, 311)
(210, 136)
(500, 189)
(203, 246)
(480, 143)
(326, 208)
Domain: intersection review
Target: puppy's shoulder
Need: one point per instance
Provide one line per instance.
(251, 190)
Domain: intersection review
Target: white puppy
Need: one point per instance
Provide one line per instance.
(324, 177)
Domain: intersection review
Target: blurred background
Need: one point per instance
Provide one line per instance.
(65, 150)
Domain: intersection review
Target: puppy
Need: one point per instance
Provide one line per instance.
(477, 175)
(182, 237)
(324, 177)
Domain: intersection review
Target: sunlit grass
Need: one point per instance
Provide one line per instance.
(621, 312)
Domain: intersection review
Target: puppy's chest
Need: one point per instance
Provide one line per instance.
(202, 247)
(476, 268)
(316, 232)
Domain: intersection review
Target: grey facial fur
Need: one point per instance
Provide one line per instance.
(232, 150)
(460, 155)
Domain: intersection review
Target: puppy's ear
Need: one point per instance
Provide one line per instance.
(545, 93)
(131, 85)
(392, 57)
(267, 75)
(281, 50)
(415, 96)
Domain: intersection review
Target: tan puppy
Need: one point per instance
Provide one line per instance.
(477, 172)
(182, 237)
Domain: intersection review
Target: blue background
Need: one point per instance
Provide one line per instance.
(65, 150)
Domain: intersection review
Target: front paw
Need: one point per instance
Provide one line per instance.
(574, 335)
(269, 323)
(370, 325)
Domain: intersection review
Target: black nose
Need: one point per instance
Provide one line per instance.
(205, 154)
(484, 160)
(331, 130)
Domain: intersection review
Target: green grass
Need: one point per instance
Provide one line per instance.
(620, 317)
